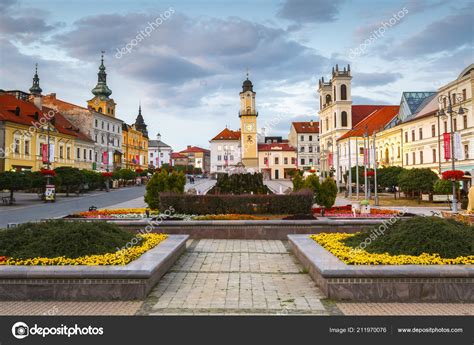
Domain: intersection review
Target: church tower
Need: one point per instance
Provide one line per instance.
(101, 101)
(140, 123)
(248, 125)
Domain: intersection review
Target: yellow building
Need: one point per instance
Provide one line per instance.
(248, 125)
(135, 144)
(24, 131)
(276, 160)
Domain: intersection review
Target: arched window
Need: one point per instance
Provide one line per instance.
(344, 119)
(387, 156)
(343, 92)
(99, 110)
(328, 99)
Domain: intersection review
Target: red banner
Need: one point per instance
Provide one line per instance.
(447, 145)
(330, 163)
(105, 158)
(44, 153)
(366, 156)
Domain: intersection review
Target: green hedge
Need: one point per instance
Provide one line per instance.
(295, 203)
(240, 184)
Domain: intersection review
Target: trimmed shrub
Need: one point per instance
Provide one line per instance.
(58, 238)
(295, 203)
(163, 181)
(327, 193)
(239, 184)
(418, 235)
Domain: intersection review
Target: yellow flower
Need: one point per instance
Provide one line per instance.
(354, 256)
(121, 257)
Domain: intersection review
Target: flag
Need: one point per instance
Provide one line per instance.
(457, 146)
(330, 163)
(51, 153)
(105, 158)
(44, 153)
(447, 145)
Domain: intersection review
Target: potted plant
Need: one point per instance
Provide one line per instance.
(365, 207)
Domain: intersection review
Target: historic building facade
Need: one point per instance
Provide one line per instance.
(196, 156)
(135, 144)
(225, 151)
(276, 160)
(304, 137)
(159, 153)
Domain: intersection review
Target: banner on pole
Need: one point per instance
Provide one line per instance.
(457, 146)
(51, 153)
(447, 145)
(330, 159)
(44, 153)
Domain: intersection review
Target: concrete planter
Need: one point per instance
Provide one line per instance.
(383, 283)
(129, 282)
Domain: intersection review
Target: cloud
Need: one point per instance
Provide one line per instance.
(314, 11)
(375, 79)
(447, 34)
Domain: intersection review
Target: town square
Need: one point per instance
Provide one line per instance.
(255, 165)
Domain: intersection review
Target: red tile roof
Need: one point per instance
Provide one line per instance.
(375, 121)
(8, 104)
(227, 134)
(360, 112)
(306, 127)
(191, 149)
(275, 147)
(62, 105)
(177, 155)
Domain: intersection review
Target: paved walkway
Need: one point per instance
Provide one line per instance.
(278, 186)
(235, 277)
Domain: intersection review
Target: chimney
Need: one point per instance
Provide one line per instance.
(189, 146)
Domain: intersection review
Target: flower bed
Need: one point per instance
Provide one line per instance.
(115, 213)
(346, 212)
(333, 242)
(121, 257)
(230, 217)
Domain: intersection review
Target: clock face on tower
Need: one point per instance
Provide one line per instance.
(249, 127)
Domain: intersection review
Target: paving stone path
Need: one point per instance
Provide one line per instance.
(236, 277)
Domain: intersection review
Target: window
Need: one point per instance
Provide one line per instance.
(434, 155)
(302, 137)
(335, 120)
(61, 152)
(108, 126)
(78, 154)
(17, 146)
(311, 161)
(344, 119)
(231, 157)
(445, 126)
(398, 152)
(90, 155)
(406, 137)
(454, 98)
(327, 124)
(103, 140)
(455, 125)
(433, 130)
(85, 154)
(406, 158)
(219, 148)
(466, 151)
(277, 161)
(151, 154)
(302, 161)
(301, 148)
(96, 123)
(310, 149)
(335, 97)
(464, 95)
(285, 160)
(421, 157)
(68, 153)
(343, 92)
(412, 135)
(27, 147)
(328, 99)
(265, 160)
(293, 160)
(102, 124)
(420, 130)
(413, 156)
(96, 138)
(96, 157)
(219, 157)
(310, 138)
(361, 150)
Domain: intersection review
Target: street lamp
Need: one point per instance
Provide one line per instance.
(442, 99)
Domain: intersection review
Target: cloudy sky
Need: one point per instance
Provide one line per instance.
(187, 59)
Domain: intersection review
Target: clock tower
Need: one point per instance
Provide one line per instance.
(248, 125)
(101, 101)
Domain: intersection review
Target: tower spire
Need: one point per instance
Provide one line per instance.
(101, 90)
(35, 89)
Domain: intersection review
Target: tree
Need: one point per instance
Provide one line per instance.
(417, 181)
(69, 178)
(127, 174)
(298, 181)
(388, 177)
(14, 181)
(163, 182)
(445, 187)
(327, 193)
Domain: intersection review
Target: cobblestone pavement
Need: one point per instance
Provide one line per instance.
(406, 308)
(235, 277)
(52, 308)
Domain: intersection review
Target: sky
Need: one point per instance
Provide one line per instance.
(185, 61)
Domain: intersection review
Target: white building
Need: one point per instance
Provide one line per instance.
(304, 136)
(159, 153)
(225, 151)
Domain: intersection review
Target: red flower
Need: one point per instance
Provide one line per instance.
(47, 172)
(107, 174)
(3, 258)
(370, 173)
(453, 175)
(138, 170)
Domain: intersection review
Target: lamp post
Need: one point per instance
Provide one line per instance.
(442, 99)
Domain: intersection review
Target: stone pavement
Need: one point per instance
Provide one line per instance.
(52, 308)
(235, 277)
(406, 308)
